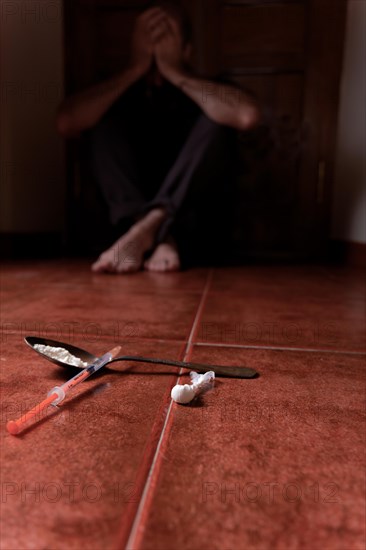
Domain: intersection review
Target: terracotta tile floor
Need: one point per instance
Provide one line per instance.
(276, 462)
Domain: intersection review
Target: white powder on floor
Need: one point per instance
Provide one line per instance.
(185, 393)
(60, 354)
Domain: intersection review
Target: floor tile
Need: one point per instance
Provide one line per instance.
(74, 272)
(283, 308)
(273, 462)
(294, 280)
(67, 482)
(52, 311)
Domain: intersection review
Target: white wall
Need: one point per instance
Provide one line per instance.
(349, 206)
(32, 167)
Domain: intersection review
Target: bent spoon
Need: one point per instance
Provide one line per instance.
(219, 370)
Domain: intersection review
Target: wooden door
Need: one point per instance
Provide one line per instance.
(288, 53)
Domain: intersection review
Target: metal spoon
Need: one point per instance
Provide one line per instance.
(228, 371)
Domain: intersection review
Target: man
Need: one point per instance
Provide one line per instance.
(156, 135)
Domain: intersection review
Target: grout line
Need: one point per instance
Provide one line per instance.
(133, 540)
(279, 348)
(199, 311)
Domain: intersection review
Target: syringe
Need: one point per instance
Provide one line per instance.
(57, 394)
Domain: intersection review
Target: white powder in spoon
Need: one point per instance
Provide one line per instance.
(60, 354)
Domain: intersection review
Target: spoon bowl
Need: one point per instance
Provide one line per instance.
(77, 352)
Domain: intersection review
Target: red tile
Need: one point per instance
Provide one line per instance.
(67, 481)
(291, 280)
(280, 307)
(61, 299)
(73, 272)
(274, 462)
(54, 312)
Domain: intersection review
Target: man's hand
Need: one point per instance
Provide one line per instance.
(142, 46)
(168, 50)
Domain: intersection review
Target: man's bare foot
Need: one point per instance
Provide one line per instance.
(127, 253)
(164, 258)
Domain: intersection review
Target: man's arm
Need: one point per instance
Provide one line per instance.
(84, 109)
(222, 103)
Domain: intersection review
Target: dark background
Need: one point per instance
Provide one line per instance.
(288, 53)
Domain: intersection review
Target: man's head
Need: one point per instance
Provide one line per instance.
(163, 39)
(176, 11)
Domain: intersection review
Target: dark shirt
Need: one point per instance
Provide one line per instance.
(162, 110)
(157, 121)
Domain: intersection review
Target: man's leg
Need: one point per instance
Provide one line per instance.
(114, 165)
(194, 195)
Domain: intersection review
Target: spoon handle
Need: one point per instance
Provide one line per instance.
(220, 370)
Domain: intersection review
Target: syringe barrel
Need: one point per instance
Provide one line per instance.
(99, 363)
(85, 373)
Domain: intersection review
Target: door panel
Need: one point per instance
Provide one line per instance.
(269, 165)
(263, 35)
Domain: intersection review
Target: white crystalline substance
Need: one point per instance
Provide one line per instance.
(60, 354)
(184, 394)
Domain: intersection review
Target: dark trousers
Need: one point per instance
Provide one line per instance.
(192, 182)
